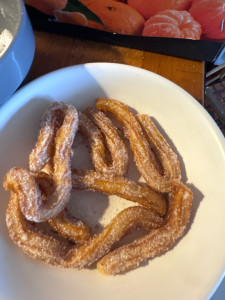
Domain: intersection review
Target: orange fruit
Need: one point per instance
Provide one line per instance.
(70, 17)
(211, 15)
(149, 8)
(47, 6)
(172, 23)
(116, 16)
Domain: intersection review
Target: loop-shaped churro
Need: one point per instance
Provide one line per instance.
(23, 183)
(157, 241)
(102, 164)
(143, 155)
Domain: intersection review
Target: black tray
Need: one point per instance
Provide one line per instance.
(199, 50)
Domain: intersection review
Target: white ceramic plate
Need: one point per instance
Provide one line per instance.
(191, 269)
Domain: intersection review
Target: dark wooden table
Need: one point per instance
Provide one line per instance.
(55, 51)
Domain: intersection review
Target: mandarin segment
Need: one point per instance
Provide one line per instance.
(173, 23)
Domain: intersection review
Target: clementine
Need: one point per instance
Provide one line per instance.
(117, 17)
(149, 8)
(47, 6)
(211, 15)
(172, 23)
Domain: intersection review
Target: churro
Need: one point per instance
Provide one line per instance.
(125, 188)
(99, 145)
(143, 155)
(22, 182)
(156, 241)
(46, 247)
(41, 194)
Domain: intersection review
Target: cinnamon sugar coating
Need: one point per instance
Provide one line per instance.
(22, 182)
(143, 155)
(157, 241)
(46, 247)
(39, 196)
(125, 188)
(103, 135)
